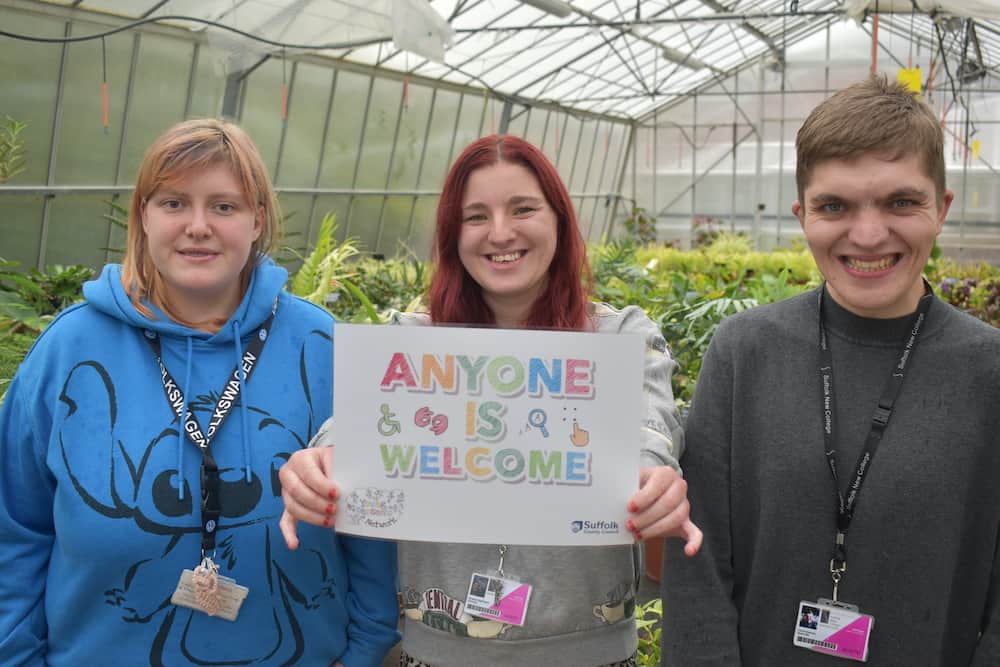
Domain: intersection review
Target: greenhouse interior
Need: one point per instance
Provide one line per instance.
(685, 110)
(673, 125)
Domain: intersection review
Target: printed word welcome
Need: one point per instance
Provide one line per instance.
(483, 464)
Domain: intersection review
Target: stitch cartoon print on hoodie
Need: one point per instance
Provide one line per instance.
(114, 492)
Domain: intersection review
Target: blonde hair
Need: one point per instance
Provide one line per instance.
(184, 148)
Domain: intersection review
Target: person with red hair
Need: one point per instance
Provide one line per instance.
(509, 254)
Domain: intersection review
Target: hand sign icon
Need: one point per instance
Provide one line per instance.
(580, 437)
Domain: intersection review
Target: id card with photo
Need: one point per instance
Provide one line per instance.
(833, 628)
(231, 595)
(497, 598)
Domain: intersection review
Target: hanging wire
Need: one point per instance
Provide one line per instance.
(406, 82)
(874, 65)
(194, 19)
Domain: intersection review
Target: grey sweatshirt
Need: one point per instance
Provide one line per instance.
(922, 547)
(582, 605)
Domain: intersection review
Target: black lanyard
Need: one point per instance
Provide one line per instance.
(847, 499)
(210, 506)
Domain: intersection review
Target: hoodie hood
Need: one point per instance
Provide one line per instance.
(107, 294)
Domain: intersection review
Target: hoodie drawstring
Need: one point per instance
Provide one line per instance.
(180, 430)
(244, 400)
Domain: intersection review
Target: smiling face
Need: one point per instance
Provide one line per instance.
(199, 232)
(508, 238)
(870, 224)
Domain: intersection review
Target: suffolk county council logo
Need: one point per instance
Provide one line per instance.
(602, 527)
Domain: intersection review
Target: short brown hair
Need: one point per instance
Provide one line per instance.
(182, 149)
(875, 116)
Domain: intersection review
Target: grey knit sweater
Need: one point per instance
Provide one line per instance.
(922, 548)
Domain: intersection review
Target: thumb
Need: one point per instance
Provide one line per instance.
(692, 536)
(289, 530)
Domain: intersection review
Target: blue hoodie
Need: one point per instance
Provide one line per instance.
(101, 495)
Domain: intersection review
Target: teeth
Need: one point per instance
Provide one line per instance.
(509, 257)
(871, 266)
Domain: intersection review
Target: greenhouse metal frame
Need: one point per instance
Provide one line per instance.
(686, 110)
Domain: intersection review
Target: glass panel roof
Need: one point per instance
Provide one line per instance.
(620, 58)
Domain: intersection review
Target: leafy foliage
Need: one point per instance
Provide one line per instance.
(12, 160)
(640, 225)
(13, 347)
(392, 284)
(28, 301)
(649, 623)
(325, 264)
(687, 293)
(325, 272)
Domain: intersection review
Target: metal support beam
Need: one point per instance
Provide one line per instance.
(53, 149)
(505, 117)
(703, 174)
(719, 8)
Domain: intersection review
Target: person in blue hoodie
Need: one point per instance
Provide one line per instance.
(141, 439)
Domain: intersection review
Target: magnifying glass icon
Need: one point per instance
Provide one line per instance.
(537, 419)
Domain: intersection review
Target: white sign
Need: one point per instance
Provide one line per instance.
(446, 434)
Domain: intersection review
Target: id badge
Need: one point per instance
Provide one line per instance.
(833, 628)
(497, 598)
(229, 596)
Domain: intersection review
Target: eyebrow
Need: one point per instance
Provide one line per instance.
(516, 199)
(170, 192)
(903, 192)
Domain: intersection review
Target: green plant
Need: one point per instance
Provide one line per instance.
(389, 284)
(649, 625)
(118, 217)
(28, 301)
(325, 269)
(640, 226)
(689, 323)
(12, 160)
(705, 230)
(13, 347)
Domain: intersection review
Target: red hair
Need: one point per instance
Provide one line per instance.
(455, 297)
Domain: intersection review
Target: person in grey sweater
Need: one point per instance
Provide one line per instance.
(842, 444)
(509, 254)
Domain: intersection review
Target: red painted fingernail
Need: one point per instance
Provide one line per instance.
(333, 494)
(632, 507)
(630, 525)
(638, 536)
(329, 508)
(326, 521)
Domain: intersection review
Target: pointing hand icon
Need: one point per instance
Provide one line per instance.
(580, 437)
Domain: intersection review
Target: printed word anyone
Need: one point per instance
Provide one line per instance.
(507, 375)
